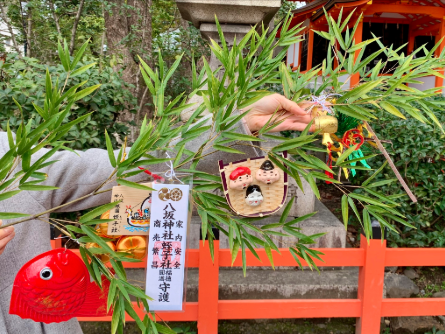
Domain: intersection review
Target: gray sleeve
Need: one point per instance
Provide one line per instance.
(78, 175)
(209, 164)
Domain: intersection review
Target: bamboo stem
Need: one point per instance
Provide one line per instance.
(391, 163)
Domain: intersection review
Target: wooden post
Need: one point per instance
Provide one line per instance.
(358, 35)
(439, 81)
(370, 286)
(56, 243)
(310, 48)
(411, 41)
(208, 288)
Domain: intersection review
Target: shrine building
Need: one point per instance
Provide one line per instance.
(415, 22)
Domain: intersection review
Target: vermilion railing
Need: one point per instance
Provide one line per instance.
(368, 308)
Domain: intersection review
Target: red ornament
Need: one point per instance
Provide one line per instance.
(350, 138)
(329, 163)
(55, 286)
(240, 171)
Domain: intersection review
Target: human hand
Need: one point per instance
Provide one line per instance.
(6, 235)
(295, 117)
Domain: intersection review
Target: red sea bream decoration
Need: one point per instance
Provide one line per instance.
(55, 286)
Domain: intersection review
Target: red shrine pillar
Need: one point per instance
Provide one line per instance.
(411, 39)
(358, 35)
(310, 48)
(439, 81)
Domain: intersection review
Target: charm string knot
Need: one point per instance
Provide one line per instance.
(171, 173)
(322, 102)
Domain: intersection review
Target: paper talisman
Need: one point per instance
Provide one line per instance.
(166, 254)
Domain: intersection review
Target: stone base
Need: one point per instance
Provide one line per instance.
(278, 284)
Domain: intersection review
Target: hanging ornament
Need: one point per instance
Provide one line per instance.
(340, 132)
(55, 286)
(267, 173)
(327, 124)
(254, 201)
(134, 246)
(103, 257)
(254, 196)
(240, 178)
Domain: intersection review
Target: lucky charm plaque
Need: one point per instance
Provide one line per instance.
(254, 187)
(132, 215)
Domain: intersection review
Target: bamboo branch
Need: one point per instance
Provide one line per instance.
(391, 163)
(38, 215)
(74, 29)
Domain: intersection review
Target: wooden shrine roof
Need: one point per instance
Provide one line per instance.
(423, 15)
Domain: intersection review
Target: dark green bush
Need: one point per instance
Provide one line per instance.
(417, 150)
(24, 80)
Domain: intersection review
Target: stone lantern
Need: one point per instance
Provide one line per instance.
(235, 16)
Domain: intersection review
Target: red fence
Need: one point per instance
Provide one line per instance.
(368, 308)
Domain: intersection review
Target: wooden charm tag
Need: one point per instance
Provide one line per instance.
(132, 215)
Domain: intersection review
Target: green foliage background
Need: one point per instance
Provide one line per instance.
(24, 81)
(417, 150)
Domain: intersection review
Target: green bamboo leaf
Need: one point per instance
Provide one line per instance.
(97, 212)
(391, 109)
(85, 92)
(82, 69)
(227, 149)
(79, 54)
(9, 194)
(366, 199)
(345, 154)
(354, 208)
(286, 211)
(375, 174)
(235, 250)
(367, 223)
(345, 209)
(133, 184)
(240, 136)
(91, 233)
(64, 61)
(269, 255)
(208, 187)
(110, 150)
(381, 183)
(313, 185)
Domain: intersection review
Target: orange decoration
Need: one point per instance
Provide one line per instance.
(103, 257)
(135, 246)
(102, 228)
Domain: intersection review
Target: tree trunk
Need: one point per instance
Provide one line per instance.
(29, 32)
(129, 34)
(5, 19)
(55, 18)
(74, 29)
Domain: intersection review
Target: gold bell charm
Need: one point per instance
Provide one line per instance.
(326, 123)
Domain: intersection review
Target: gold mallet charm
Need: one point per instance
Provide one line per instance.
(326, 123)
